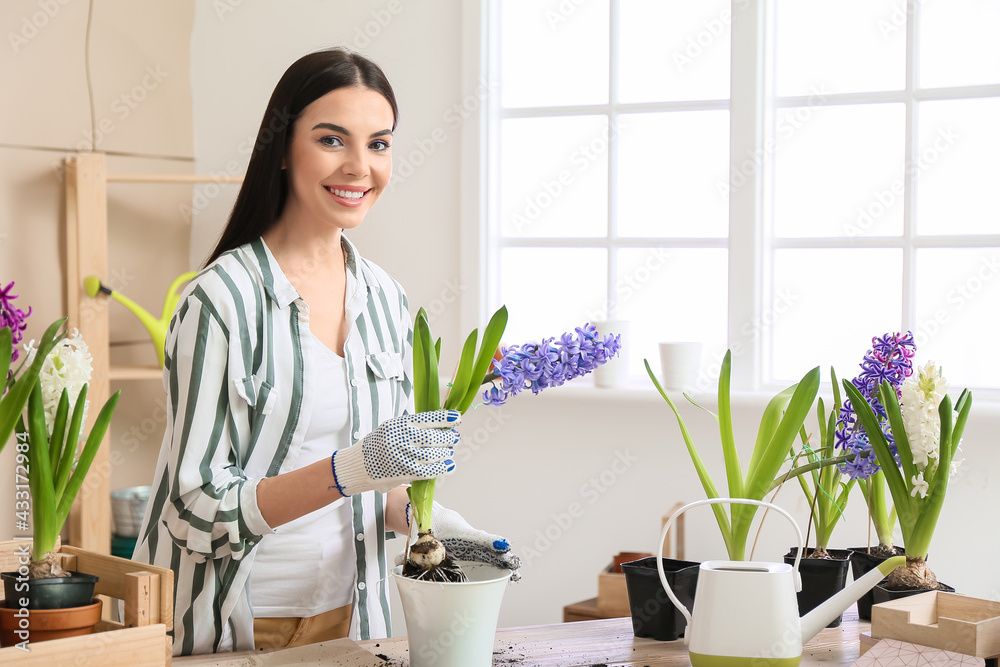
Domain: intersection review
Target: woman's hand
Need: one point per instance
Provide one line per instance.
(463, 542)
(400, 450)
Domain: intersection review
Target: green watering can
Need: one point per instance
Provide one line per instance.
(157, 328)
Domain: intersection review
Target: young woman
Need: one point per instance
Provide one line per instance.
(288, 372)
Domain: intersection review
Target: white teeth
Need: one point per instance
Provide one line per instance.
(347, 194)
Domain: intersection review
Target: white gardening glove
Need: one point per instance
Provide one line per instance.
(400, 450)
(463, 542)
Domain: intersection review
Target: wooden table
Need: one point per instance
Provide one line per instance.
(611, 642)
(602, 642)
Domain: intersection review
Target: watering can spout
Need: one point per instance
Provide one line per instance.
(821, 616)
(157, 328)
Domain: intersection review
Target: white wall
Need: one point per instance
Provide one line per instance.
(528, 463)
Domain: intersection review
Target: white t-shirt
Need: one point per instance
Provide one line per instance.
(307, 566)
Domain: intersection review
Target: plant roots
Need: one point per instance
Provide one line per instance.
(447, 571)
(428, 561)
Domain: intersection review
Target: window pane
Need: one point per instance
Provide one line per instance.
(647, 295)
(839, 171)
(958, 43)
(672, 169)
(553, 54)
(958, 290)
(839, 47)
(554, 176)
(957, 167)
(826, 306)
(551, 290)
(674, 50)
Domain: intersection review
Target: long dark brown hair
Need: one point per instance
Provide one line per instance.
(265, 187)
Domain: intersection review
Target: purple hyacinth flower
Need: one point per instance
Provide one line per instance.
(550, 363)
(889, 359)
(13, 317)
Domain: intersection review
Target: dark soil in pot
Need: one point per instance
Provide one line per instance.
(822, 578)
(885, 594)
(54, 593)
(863, 562)
(653, 614)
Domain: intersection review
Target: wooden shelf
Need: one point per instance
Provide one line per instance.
(135, 373)
(86, 202)
(173, 178)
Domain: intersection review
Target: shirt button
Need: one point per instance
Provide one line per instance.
(361, 536)
(354, 382)
(357, 434)
(361, 585)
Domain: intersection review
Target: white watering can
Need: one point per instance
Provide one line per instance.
(745, 613)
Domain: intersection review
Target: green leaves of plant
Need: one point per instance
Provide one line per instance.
(12, 404)
(465, 386)
(6, 350)
(491, 341)
(90, 448)
(917, 516)
(52, 495)
(782, 419)
(43, 497)
(427, 394)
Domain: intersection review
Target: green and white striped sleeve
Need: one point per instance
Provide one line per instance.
(211, 509)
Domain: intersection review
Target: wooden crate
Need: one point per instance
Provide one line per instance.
(948, 621)
(612, 596)
(140, 640)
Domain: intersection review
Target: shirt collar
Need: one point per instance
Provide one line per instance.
(280, 290)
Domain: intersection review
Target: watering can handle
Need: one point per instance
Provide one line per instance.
(716, 501)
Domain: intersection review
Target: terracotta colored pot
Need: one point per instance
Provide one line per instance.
(45, 624)
(627, 557)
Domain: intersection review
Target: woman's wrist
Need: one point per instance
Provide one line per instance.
(395, 510)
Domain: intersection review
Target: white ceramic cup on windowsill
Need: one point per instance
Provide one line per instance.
(679, 364)
(615, 372)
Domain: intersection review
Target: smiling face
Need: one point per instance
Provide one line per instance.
(339, 161)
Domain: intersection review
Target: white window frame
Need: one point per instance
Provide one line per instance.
(752, 112)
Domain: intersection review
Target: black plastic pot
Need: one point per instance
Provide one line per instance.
(883, 594)
(55, 593)
(822, 578)
(653, 614)
(862, 563)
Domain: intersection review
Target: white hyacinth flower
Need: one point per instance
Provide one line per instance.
(68, 367)
(920, 396)
(920, 485)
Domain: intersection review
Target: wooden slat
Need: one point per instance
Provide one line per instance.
(340, 652)
(68, 562)
(141, 588)
(947, 621)
(136, 373)
(173, 178)
(112, 571)
(673, 542)
(135, 647)
(86, 254)
(11, 553)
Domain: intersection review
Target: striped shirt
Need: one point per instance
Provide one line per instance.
(239, 401)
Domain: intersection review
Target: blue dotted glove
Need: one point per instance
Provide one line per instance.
(398, 451)
(463, 542)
